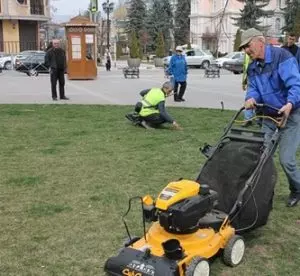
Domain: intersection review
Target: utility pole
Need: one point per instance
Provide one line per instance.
(219, 30)
(108, 8)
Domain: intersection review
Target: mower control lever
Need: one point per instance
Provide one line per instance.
(282, 122)
(260, 105)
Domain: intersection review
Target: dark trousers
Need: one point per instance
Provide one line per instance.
(181, 89)
(154, 120)
(108, 65)
(57, 74)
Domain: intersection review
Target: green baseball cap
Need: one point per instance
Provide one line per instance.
(248, 35)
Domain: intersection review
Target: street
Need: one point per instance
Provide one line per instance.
(112, 88)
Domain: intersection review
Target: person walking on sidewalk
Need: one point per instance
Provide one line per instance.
(179, 70)
(55, 59)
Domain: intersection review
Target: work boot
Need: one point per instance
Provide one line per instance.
(293, 200)
(134, 118)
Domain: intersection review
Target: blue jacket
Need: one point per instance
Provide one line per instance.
(276, 80)
(178, 67)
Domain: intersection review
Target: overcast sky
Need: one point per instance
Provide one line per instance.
(71, 7)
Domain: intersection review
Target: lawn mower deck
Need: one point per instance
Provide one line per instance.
(163, 253)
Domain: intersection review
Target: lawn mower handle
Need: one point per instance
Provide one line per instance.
(257, 105)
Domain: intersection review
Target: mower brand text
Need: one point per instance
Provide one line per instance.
(127, 272)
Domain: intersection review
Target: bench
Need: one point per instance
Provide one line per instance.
(131, 71)
(212, 71)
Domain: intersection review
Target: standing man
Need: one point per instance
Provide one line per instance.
(178, 68)
(274, 79)
(55, 59)
(292, 47)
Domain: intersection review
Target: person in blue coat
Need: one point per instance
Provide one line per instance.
(292, 47)
(274, 79)
(178, 69)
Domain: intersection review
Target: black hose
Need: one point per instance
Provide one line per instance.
(127, 212)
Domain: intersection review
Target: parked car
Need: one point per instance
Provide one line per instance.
(197, 58)
(5, 61)
(33, 65)
(235, 65)
(229, 57)
(23, 55)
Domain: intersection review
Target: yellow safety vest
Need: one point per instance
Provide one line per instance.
(151, 101)
(247, 61)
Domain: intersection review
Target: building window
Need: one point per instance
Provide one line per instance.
(277, 25)
(214, 5)
(278, 3)
(22, 2)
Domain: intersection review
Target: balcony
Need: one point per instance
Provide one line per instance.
(37, 9)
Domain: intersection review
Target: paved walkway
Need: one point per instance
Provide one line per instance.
(112, 88)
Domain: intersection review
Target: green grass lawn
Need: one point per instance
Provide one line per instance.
(67, 173)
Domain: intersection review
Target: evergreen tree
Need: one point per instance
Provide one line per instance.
(160, 20)
(136, 16)
(291, 9)
(182, 22)
(134, 46)
(296, 28)
(237, 41)
(160, 46)
(252, 13)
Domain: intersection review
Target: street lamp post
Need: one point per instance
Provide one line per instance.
(108, 8)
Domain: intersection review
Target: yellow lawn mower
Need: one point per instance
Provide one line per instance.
(192, 221)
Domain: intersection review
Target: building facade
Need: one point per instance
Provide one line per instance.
(20, 21)
(211, 27)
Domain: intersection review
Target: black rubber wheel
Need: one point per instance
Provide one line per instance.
(33, 73)
(198, 267)
(234, 251)
(7, 65)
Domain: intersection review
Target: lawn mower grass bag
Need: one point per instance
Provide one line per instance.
(230, 164)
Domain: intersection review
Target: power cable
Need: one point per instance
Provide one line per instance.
(219, 27)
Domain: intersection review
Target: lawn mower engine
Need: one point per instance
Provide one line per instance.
(180, 206)
(176, 211)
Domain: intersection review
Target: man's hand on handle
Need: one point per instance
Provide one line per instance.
(250, 104)
(285, 111)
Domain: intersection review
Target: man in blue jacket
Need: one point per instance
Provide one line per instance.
(178, 68)
(274, 79)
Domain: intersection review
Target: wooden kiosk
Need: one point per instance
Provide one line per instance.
(81, 49)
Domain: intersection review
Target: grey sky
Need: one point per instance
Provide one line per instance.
(72, 7)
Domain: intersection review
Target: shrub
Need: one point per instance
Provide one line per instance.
(160, 46)
(134, 46)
